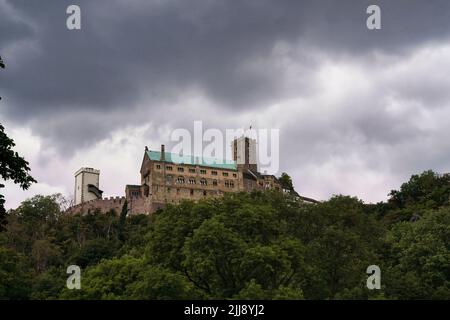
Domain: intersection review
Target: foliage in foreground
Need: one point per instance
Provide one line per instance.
(243, 246)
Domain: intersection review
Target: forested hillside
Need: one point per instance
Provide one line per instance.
(244, 246)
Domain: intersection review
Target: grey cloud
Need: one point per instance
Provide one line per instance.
(124, 48)
(132, 57)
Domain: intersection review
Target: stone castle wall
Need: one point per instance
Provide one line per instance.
(135, 206)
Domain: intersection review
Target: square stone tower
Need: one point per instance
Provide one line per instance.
(87, 185)
(244, 153)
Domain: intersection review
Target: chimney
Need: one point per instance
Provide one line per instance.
(163, 155)
(146, 148)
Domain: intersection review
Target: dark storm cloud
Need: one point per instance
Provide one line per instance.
(12, 29)
(160, 48)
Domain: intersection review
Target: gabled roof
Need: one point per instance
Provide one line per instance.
(192, 160)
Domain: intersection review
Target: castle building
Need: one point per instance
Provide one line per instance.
(169, 178)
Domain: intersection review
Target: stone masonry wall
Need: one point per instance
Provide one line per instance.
(135, 206)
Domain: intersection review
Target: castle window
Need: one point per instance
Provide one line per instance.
(178, 191)
(180, 169)
(234, 175)
(202, 171)
(158, 166)
(192, 170)
(191, 181)
(229, 184)
(169, 168)
(168, 190)
(214, 182)
(214, 173)
(225, 174)
(204, 192)
(180, 180)
(192, 192)
(203, 182)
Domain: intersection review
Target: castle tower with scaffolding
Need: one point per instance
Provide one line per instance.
(87, 184)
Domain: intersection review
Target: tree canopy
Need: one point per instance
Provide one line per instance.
(260, 245)
(12, 167)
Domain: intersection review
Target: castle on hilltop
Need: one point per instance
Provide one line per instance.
(170, 178)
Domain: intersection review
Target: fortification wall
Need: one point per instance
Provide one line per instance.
(135, 206)
(139, 206)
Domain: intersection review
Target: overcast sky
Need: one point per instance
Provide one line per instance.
(359, 111)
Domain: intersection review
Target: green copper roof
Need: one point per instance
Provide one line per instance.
(192, 160)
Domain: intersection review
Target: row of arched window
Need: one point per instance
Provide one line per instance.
(182, 180)
(193, 170)
(203, 181)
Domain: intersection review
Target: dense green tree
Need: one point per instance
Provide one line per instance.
(242, 237)
(340, 260)
(50, 240)
(15, 277)
(172, 226)
(12, 167)
(135, 235)
(123, 216)
(428, 189)
(43, 253)
(107, 280)
(286, 182)
(93, 251)
(419, 258)
(35, 219)
(222, 263)
(260, 245)
(254, 291)
(48, 285)
(159, 283)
